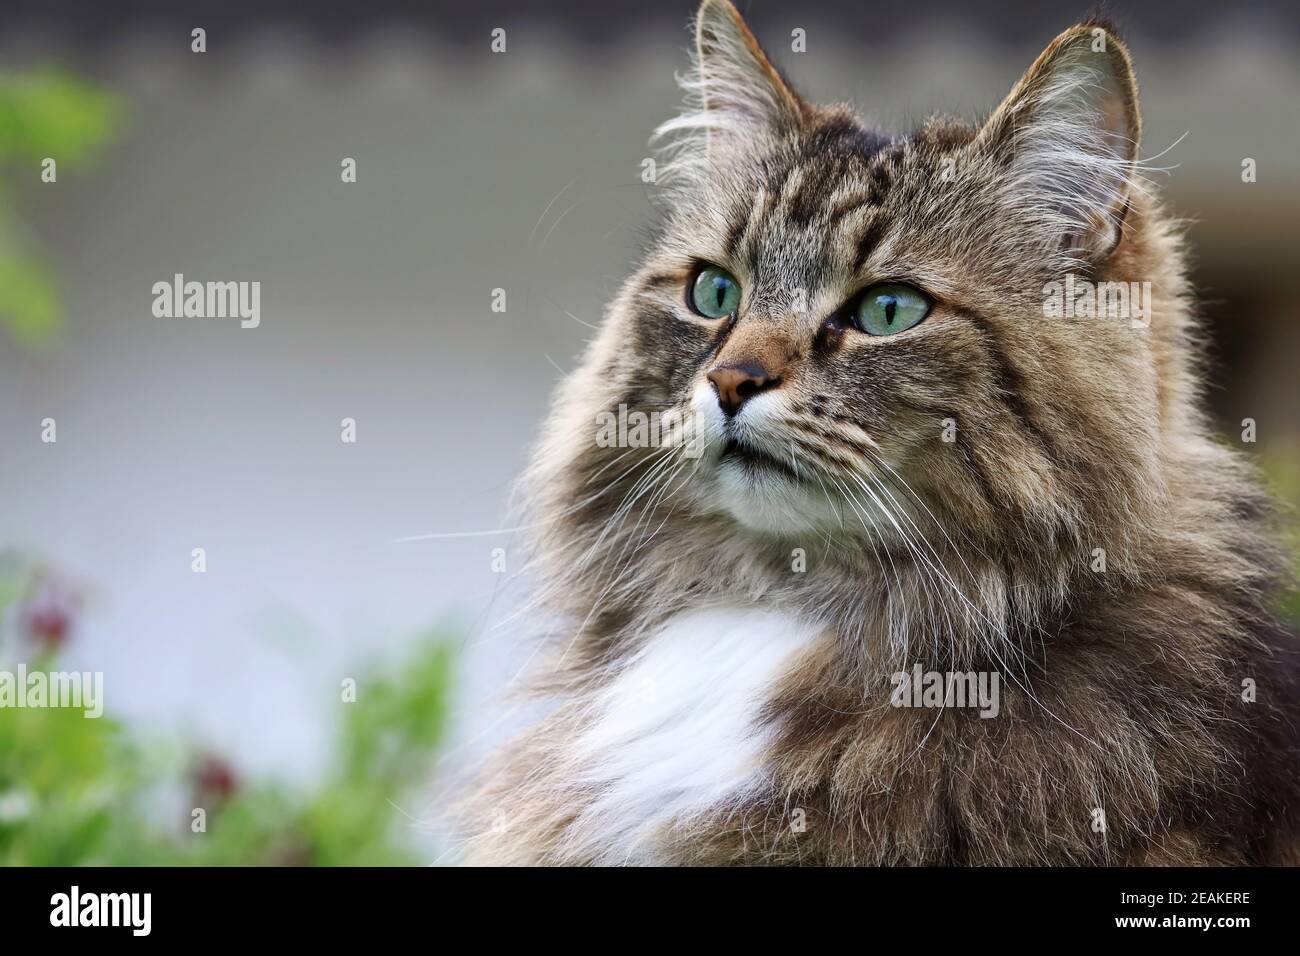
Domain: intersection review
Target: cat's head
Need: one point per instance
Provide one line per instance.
(863, 329)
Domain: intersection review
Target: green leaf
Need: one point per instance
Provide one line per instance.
(29, 300)
(53, 114)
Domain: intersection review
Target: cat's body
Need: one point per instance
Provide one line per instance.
(987, 490)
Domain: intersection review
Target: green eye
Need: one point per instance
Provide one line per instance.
(888, 308)
(715, 293)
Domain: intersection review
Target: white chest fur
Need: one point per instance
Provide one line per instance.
(676, 733)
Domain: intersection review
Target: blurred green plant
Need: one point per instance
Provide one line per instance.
(1280, 463)
(47, 114)
(77, 791)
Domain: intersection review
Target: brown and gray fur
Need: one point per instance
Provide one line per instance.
(1122, 689)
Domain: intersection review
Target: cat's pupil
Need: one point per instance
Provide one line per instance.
(720, 289)
(890, 307)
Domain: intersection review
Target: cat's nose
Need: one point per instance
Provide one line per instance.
(739, 382)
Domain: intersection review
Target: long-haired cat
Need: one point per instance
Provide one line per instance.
(938, 562)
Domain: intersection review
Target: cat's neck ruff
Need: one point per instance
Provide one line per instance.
(677, 732)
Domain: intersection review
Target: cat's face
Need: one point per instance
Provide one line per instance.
(799, 328)
(818, 323)
(856, 324)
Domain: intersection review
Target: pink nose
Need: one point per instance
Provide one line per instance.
(738, 383)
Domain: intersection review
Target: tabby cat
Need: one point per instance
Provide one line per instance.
(911, 467)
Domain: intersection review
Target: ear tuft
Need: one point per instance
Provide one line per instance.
(1067, 136)
(736, 77)
(733, 92)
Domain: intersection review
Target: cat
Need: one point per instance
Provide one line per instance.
(908, 468)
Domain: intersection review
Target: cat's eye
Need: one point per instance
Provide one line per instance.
(889, 308)
(715, 293)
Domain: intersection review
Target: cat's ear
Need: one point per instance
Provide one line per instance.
(737, 82)
(734, 93)
(1067, 136)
